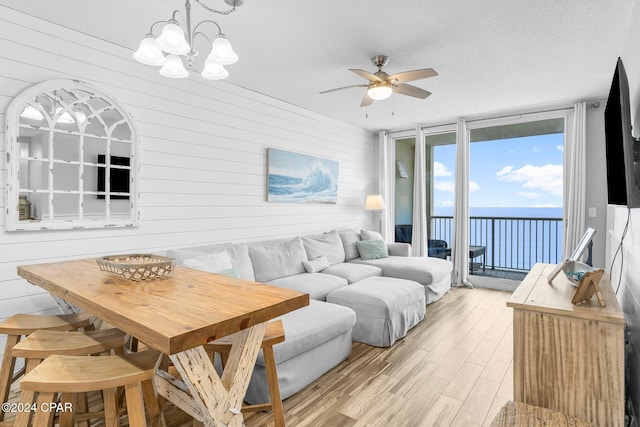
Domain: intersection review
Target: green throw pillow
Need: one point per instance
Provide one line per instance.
(372, 249)
(229, 272)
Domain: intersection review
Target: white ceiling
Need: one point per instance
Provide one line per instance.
(493, 56)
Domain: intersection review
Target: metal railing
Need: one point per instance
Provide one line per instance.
(512, 243)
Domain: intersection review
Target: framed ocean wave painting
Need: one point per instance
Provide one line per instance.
(298, 178)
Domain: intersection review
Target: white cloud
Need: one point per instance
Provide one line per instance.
(560, 147)
(547, 178)
(440, 170)
(535, 150)
(528, 195)
(447, 203)
(451, 187)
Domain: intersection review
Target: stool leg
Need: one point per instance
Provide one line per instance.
(68, 418)
(44, 418)
(274, 387)
(110, 408)
(151, 402)
(6, 370)
(22, 418)
(135, 405)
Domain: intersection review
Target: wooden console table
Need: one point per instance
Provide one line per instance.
(567, 357)
(177, 316)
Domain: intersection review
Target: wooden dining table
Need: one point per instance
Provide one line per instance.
(177, 315)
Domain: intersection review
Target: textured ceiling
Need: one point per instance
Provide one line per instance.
(493, 56)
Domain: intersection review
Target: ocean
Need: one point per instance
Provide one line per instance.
(516, 238)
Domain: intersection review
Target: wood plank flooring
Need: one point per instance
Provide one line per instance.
(454, 369)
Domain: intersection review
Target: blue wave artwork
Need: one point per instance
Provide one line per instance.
(298, 178)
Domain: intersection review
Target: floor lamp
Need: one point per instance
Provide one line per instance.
(375, 203)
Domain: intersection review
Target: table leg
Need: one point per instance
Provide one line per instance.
(217, 400)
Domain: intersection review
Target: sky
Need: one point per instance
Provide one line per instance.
(516, 172)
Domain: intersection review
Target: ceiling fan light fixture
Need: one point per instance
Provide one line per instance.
(172, 40)
(379, 91)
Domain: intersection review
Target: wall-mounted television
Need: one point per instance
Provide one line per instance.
(623, 151)
(119, 181)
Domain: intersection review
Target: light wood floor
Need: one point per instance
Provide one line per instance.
(453, 369)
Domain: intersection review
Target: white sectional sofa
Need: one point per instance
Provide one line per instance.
(319, 336)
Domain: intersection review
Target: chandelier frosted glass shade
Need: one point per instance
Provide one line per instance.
(172, 40)
(174, 68)
(379, 91)
(221, 51)
(149, 53)
(214, 71)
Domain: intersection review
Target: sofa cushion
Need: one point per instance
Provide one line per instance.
(278, 259)
(353, 272)
(349, 239)
(239, 255)
(240, 259)
(214, 262)
(326, 244)
(424, 270)
(372, 249)
(310, 326)
(370, 235)
(317, 285)
(179, 255)
(316, 265)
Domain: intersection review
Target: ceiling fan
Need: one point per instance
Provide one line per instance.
(381, 85)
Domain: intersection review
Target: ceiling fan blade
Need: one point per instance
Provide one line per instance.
(409, 76)
(405, 89)
(367, 75)
(366, 100)
(341, 88)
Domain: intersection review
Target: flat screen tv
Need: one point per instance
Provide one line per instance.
(119, 179)
(623, 151)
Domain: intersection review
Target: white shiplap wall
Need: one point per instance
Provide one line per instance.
(202, 154)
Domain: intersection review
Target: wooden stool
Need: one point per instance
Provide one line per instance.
(522, 414)
(69, 375)
(19, 325)
(273, 335)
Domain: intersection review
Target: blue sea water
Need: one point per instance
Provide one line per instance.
(517, 238)
(316, 187)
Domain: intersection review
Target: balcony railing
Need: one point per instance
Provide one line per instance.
(512, 243)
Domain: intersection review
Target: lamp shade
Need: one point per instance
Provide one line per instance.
(379, 91)
(174, 68)
(172, 40)
(221, 51)
(214, 71)
(149, 53)
(374, 202)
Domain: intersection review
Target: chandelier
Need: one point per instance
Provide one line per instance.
(177, 42)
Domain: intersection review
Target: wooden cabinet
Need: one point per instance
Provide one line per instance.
(567, 357)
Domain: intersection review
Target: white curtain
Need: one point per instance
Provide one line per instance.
(460, 245)
(419, 233)
(384, 186)
(575, 180)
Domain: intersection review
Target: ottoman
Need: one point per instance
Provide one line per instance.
(386, 308)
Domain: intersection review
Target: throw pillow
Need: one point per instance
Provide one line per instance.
(181, 254)
(349, 239)
(273, 261)
(370, 235)
(316, 265)
(372, 249)
(229, 272)
(212, 263)
(326, 244)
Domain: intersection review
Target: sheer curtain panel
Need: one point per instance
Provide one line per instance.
(460, 247)
(575, 161)
(419, 233)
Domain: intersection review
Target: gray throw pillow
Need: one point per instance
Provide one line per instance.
(372, 249)
(317, 265)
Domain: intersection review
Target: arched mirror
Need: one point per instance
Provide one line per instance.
(71, 159)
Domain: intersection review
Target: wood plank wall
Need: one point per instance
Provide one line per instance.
(203, 157)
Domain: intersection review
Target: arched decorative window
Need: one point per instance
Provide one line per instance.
(71, 159)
